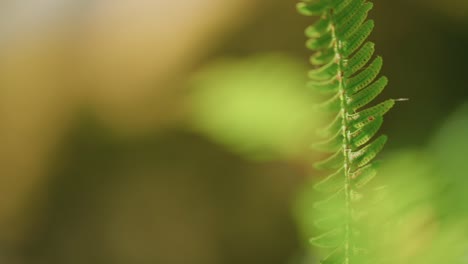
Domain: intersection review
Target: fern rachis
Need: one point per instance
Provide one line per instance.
(344, 70)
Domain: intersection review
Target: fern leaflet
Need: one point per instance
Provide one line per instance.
(345, 71)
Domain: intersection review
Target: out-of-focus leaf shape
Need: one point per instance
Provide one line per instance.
(257, 107)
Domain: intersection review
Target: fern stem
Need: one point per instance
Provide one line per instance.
(337, 43)
(344, 68)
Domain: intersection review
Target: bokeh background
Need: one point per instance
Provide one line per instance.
(135, 131)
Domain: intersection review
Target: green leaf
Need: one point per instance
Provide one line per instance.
(345, 8)
(330, 145)
(322, 42)
(366, 96)
(365, 77)
(361, 58)
(318, 29)
(364, 175)
(358, 38)
(332, 183)
(312, 8)
(325, 72)
(368, 153)
(331, 105)
(325, 87)
(335, 161)
(334, 203)
(322, 57)
(339, 38)
(353, 22)
(330, 221)
(355, 196)
(363, 135)
(330, 239)
(362, 118)
(333, 127)
(336, 257)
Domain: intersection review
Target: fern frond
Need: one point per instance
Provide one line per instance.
(333, 162)
(332, 183)
(344, 69)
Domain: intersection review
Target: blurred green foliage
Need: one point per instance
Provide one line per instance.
(422, 218)
(450, 150)
(257, 107)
